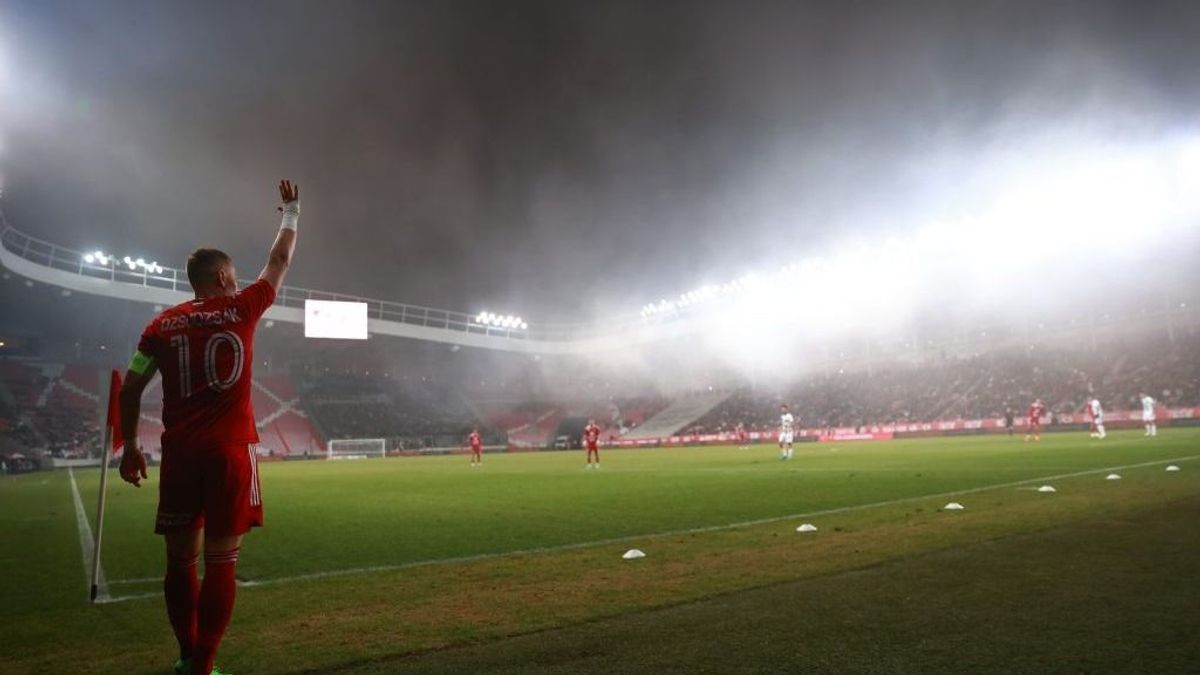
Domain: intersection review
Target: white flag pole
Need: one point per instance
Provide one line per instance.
(105, 450)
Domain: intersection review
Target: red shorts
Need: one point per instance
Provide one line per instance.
(212, 488)
(477, 449)
(592, 447)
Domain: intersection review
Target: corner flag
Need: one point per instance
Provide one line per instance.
(112, 443)
(114, 412)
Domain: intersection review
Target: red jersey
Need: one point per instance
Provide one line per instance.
(475, 440)
(591, 434)
(205, 351)
(1036, 411)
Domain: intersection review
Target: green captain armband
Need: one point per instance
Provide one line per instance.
(141, 363)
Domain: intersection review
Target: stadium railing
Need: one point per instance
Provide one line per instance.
(170, 286)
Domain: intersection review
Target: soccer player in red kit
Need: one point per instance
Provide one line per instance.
(476, 442)
(1036, 410)
(591, 440)
(208, 490)
(743, 437)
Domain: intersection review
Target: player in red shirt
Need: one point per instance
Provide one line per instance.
(743, 437)
(208, 482)
(1036, 410)
(476, 442)
(591, 441)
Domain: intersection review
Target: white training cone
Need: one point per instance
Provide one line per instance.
(953, 506)
(1113, 476)
(1172, 468)
(1047, 488)
(633, 554)
(807, 527)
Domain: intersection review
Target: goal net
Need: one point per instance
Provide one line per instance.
(356, 448)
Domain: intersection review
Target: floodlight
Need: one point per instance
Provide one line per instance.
(89, 258)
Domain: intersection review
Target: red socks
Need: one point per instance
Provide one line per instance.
(181, 589)
(215, 607)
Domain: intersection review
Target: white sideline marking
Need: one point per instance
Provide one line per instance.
(123, 598)
(87, 544)
(655, 535)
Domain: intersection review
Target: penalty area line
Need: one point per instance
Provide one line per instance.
(329, 574)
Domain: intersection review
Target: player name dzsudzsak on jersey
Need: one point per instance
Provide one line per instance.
(204, 349)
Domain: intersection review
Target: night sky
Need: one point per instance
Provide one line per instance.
(552, 159)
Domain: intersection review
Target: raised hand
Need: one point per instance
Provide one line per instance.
(288, 191)
(280, 257)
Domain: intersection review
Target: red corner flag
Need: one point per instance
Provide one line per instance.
(114, 411)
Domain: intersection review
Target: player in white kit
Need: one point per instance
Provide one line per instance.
(787, 432)
(1148, 417)
(1097, 413)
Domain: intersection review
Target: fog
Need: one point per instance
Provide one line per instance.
(572, 161)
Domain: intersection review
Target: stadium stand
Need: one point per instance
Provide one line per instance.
(539, 433)
(510, 415)
(42, 417)
(974, 388)
(681, 413)
(410, 414)
(540, 424)
(52, 410)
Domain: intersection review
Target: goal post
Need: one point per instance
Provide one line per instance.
(356, 448)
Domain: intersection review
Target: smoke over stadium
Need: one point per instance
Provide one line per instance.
(932, 230)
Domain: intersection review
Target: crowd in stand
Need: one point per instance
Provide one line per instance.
(411, 415)
(30, 432)
(980, 387)
(418, 412)
(69, 433)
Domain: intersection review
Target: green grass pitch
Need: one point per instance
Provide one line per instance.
(427, 565)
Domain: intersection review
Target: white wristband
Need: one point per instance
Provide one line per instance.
(291, 216)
